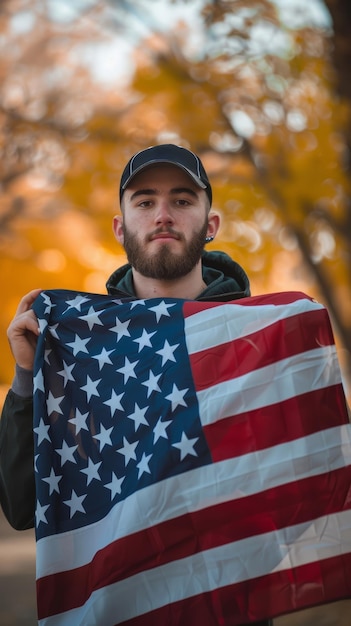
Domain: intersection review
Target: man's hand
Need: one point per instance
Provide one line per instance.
(23, 331)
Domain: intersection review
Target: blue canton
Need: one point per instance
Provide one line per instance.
(115, 409)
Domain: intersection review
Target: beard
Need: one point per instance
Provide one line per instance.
(164, 264)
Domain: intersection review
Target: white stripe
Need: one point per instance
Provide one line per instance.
(226, 322)
(227, 480)
(284, 379)
(212, 569)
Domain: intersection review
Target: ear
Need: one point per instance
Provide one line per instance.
(214, 221)
(118, 228)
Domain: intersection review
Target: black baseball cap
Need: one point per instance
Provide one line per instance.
(167, 153)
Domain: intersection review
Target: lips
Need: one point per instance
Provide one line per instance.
(165, 235)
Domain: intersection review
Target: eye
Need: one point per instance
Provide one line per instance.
(182, 202)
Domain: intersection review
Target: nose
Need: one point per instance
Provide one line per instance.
(163, 213)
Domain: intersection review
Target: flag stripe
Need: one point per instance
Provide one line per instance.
(330, 450)
(249, 600)
(218, 567)
(240, 355)
(270, 385)
(257, 429)
(220, 324)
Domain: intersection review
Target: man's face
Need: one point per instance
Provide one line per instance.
(164, 222)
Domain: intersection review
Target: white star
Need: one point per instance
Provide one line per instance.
(167, 352)
(92, 471)
(48, 302)
(136, 303)
(128, 369)
(138, 416)
(90, 387)
(35, 462)
(186, 446)
(151, 383)
(92, 318)
(42, 431)
(66, 373)
(161, 309)
(38, 381)
(160, 430)
(40, 513)
(128, 451)
(52, 331)
(103, 358)
(121, 329)
(114, 402)
(143, 465)
(53, 481)
(177, 397)
(53, 404)
(42, 323)
(78, 345)
(115, 486)
(46, 356)
(66, 453)
(80, 421)
(104, 437)
(75, 503)
(144, 340)
(76, 303)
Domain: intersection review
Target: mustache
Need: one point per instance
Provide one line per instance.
(169, 231)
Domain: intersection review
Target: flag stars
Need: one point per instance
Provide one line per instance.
(115, 402)
(167, 352)
(53, 404)
(160, 430)
(66, 453)
(128, 369)
(152, 383)
(80, 421)
(104, 437)
(91, 387)
(79, 345)
(75, 503)
(138, 416)
(40, 511)
(161, 309)
(121, 329)
(177, 397)
(144, 340)
(38, 381)
(186, 446)
(53, 481)
(42, 431)
(76, 302)
(92, 318)
(143, 465)
(115, 486)
(128, 451)
(92, 471)
(103, 358)
(67, 373)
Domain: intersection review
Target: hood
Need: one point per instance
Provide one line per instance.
(225, 279)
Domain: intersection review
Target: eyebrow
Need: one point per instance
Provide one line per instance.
(153, 192)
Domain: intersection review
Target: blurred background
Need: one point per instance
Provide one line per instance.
(260, 89)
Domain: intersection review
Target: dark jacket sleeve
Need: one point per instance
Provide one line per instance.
(17, 486)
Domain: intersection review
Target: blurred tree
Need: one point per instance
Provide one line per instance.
(252, 95)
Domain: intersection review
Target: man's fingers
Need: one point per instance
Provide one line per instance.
(27, 301)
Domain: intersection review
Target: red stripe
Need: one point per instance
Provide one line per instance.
(269, 426)
(195, 532)
(280, 340)
(270, 596)
(276, 299)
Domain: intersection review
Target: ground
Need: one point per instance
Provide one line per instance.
(17, 576)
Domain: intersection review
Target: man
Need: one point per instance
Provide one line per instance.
(166, 220)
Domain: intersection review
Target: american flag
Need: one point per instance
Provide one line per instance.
(192, 459)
